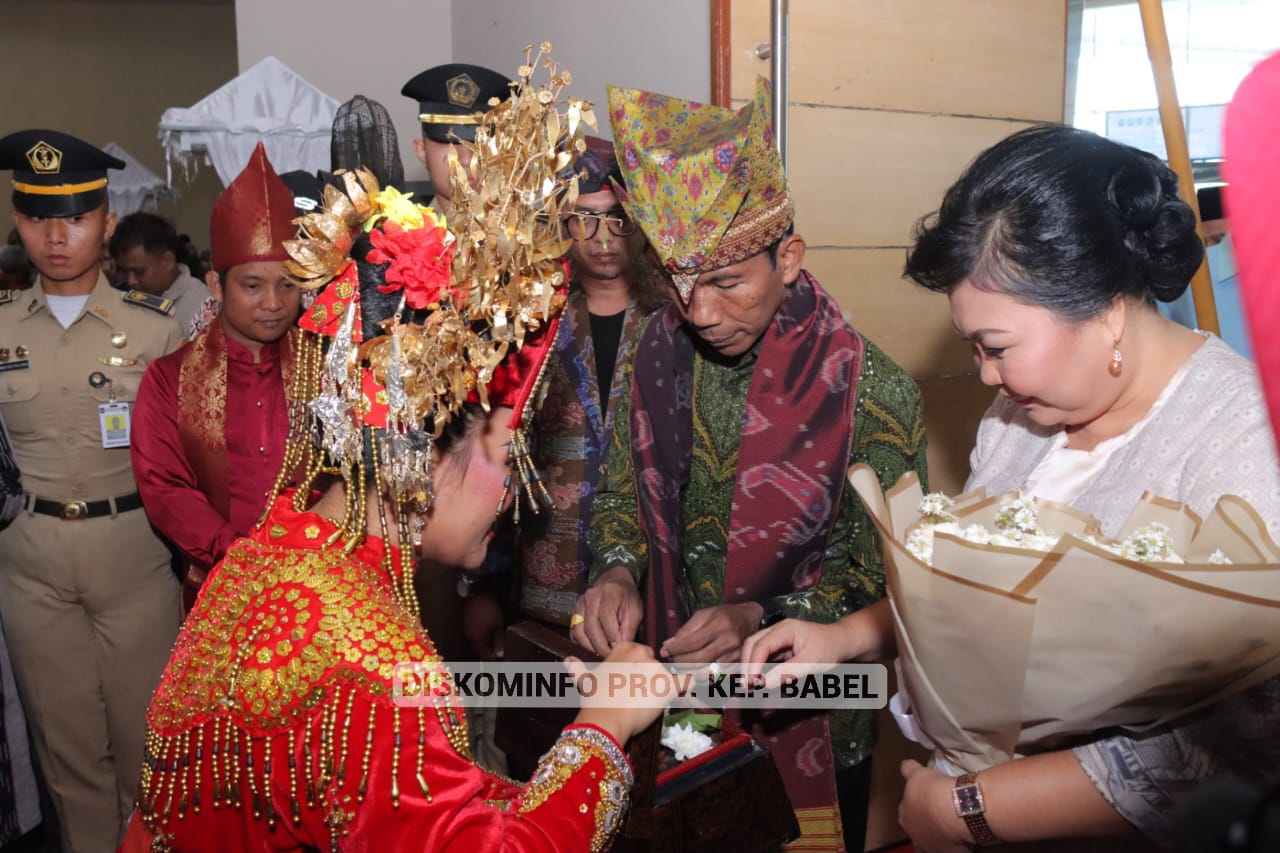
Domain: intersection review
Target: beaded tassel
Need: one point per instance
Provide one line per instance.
(294, 808)
(307, 778)
(395, 761)
(254, 800)
(234, 788)
(266, 786)
(346, 732)
(195, 790)
(364, 762)
(422, 749)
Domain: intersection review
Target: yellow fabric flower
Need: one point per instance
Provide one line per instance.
(401, 209)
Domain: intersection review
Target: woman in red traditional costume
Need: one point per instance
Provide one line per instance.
(275, 726)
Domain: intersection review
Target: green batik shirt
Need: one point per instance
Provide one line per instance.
(888, 436)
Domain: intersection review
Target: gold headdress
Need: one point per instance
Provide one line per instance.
(478, 304)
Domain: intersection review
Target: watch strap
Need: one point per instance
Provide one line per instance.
(971, 807)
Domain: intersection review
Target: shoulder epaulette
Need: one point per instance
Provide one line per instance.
(7, 296)
(142, 299)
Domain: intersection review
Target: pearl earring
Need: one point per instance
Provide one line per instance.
(1117, 360)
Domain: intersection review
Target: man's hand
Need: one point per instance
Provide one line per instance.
(608, 613)
(714, 634)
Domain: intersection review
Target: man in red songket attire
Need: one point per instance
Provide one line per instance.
(212, 417)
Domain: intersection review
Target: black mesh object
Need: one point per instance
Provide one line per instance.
(363, 135)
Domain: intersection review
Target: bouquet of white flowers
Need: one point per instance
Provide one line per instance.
(1019, 625)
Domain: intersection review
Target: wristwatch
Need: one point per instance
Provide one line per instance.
(972, 808)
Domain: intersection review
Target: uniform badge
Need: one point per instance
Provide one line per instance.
(4, 353)
(119, 339)
(142, 299)
(44, 158)
(21, 351)
(462, 90)
(117, 361)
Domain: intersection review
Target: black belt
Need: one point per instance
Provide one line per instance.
(76, 510)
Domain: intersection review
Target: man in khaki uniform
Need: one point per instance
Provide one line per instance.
(88, 599)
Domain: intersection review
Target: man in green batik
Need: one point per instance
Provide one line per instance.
(722, 507)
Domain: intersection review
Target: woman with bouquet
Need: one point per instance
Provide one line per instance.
(1054, 248)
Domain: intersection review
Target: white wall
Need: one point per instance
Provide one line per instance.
(348, 49)
(373, 48)
(659, 45)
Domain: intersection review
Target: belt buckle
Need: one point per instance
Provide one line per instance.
(74, 511)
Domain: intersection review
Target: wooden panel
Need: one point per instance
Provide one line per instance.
(953, 406)
(911, 324)
(1002, 58)
(863, 178)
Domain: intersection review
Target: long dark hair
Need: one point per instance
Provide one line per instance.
(1064, 219)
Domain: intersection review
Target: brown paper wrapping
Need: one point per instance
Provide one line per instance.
(1006, 651)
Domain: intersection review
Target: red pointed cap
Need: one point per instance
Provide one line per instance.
(252, 218)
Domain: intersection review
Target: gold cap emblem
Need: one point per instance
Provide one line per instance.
(462, 90)
(44, 158)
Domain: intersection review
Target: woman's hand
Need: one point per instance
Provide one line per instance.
(805, 646)
(927, 812)
(618, 718)
(865, 636)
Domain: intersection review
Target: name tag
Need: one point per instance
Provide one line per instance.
(114, 419)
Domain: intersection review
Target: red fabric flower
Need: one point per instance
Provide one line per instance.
(420, 261)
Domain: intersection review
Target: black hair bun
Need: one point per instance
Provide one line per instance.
(1159, 227)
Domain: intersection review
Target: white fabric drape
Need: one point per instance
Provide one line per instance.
(268, 103)
(135, 187)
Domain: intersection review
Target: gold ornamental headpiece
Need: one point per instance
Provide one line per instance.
(459, 310)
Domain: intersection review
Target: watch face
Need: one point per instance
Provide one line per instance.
(968, 800)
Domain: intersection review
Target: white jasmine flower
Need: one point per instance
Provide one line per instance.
(1018, 517)
(1148, 543)
(684, 741)
(935, 506)
(1219, 559)
(920, 543)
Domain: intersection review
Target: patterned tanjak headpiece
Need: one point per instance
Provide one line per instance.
(468, 307)
(705, 183)
(252, 218)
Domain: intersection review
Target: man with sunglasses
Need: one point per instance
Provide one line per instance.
(612, 293)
